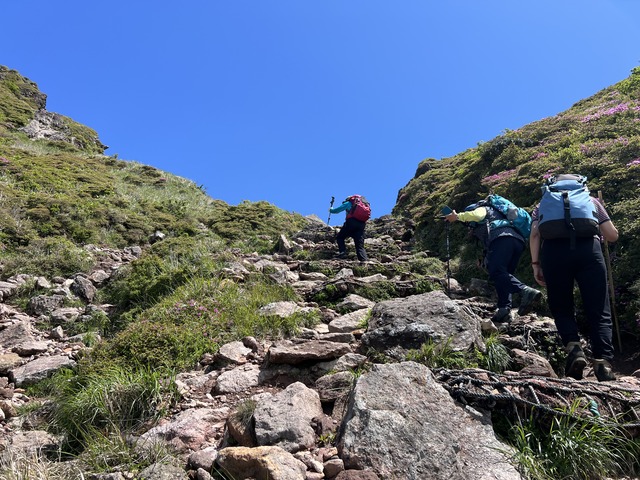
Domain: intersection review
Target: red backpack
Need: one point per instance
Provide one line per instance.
(360, 208)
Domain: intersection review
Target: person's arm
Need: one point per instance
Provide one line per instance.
(345, 206)
(476, 215)
(534, 248)
(609, 231)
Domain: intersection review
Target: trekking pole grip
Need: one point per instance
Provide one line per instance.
(333, 199)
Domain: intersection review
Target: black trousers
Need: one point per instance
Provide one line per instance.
(355, 229)
(503, 255)
(562, 266)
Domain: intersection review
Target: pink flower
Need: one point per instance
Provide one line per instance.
(499, 177)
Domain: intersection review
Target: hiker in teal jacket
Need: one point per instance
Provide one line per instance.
(353, 228)
(504, 246)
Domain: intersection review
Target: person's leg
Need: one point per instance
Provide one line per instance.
(358, 238)
(500, 258)
(592, 281)
(556, 263)
(340, 239)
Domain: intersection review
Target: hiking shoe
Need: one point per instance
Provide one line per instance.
(502, 315)
(576, 361)
(603, 370)
(528, 296)
(341, 255)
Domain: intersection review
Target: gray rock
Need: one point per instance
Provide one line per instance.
(190, 430)
(334, 386)
(402, 424)
(83, 288)
(349, 322)
(238, 380)
(32, 442)
(234, 352)
(62, 316)
(315, 350)
(163, 471)
(39, 369)
(44, 304)
(354, 302)
(284, 419)
(407, 323)
(205, 459)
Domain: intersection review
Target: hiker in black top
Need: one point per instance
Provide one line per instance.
(353, 228)
(558, 266)
(504, 246)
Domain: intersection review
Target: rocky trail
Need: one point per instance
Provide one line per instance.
(338, 401)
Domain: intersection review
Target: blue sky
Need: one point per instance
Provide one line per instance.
(296, 101)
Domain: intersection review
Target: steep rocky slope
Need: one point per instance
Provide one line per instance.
(267, 357)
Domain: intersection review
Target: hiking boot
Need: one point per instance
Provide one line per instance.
(341, 255)
(528, 296)
(576, 361)
(603, 370)
(502, 315)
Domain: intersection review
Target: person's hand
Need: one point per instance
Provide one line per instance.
(452, 217)
(538, 275)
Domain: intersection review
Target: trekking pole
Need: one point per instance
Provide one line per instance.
(607, 258)
(330, 207)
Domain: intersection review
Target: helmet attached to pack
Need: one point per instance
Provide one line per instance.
(572, 177)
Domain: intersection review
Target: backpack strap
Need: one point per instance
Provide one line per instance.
(567, 219)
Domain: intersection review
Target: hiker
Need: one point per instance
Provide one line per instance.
(358, 212)
(558, 263)
(504, 245)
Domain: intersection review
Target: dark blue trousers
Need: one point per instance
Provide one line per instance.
(503, 256)
(355, 229)
(584, 265)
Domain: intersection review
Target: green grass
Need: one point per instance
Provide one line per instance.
(496, 357)
(109, 401)
(570, 448)
(439, 355)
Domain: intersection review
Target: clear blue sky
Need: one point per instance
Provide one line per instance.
(295, 101)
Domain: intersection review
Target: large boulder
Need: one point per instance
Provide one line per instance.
(406, 323)
(285, 419)
(401, 423)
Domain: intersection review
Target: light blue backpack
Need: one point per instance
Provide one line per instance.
(566, 209)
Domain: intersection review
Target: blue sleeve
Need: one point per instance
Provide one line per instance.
(345, 206)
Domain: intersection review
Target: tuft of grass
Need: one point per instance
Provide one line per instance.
(440, 354)
(496, 358)
(104, 452)
(244, 411)
(109, 401)
(30, 466)
(570, 447)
